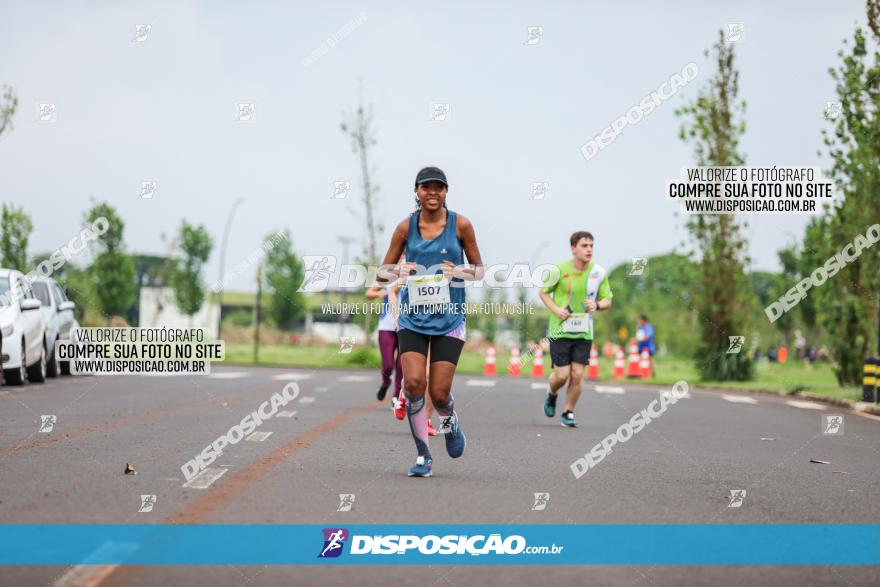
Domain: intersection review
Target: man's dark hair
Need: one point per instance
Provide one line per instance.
(643, 317)
(576, 237)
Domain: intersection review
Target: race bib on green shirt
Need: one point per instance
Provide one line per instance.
(580, 322)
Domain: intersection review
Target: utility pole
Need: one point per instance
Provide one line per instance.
(523, 295)
(343, 316)
(223, 259)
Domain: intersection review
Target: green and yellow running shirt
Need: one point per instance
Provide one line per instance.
(572, 288)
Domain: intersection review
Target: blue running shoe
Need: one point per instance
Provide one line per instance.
(568, 419)
(455, 440)
(550, 405)
(422, 468)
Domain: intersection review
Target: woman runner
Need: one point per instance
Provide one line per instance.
(387, 339)
(435, 241)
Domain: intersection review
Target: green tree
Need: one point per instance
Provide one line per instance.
(16, 227)
(194, 247)
(112, 269)
(710, 124)
(7, 109)
(284, 274)
(360, 128)
(80, 289)
(664, 292)
(522, 321)
(488, 321)
(795, 266)
(847, 304)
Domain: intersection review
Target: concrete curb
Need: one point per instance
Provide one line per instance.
(865, 407)
(872, 409)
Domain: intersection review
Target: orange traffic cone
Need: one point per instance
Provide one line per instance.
(645, 364)
(782, 355)
(538, 362)
(633, 370)
(489, 367)
(593, 370)
(608, 350)
(618, 364)
(514, 367)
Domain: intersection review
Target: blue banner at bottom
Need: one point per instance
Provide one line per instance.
(551, 544)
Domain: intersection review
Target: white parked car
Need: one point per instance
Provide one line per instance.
(22, 344)
(58, 317)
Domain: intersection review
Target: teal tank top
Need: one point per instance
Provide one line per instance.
(429, 256)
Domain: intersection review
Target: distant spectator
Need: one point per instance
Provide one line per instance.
(771, 355)
(799, 343)
(811, 355)
(645, 336)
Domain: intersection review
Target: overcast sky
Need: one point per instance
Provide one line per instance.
(165, 109)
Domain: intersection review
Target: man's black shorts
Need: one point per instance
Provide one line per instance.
(565, 351)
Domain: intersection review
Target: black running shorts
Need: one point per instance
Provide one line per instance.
(443, 348)
(565, 351)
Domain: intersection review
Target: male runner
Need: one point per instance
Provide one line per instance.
(580, 289)
(432, 314)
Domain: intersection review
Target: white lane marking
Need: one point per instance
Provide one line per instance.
(542, 386)
(686, 395)
(286, 414)
(352, 378)
(259, 436)
(739, 399)
(307, 400)
(90, 572)
(480, 383)
(806, 405)
(609, 389)
(229, 375)
(321, 389)
(292, 376)
(204, 479)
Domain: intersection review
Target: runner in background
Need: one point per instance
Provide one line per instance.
(645, 336)
(580, 288)
(645, 339)
(387, 339)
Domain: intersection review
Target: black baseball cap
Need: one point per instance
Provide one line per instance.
(431, 174)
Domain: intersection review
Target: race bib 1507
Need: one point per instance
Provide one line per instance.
(427, 289)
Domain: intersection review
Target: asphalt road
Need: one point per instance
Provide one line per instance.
(679, 469)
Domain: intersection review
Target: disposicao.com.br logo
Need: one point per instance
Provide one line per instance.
(334, 540)
(479, 544)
